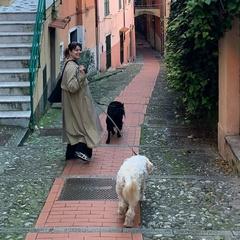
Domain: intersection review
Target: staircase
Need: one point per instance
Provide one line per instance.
(15, 50)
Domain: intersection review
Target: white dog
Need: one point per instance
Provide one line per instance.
(130, 185)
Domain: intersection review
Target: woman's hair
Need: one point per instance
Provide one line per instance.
(71, 46)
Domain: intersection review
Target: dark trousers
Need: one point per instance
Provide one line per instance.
(79, 147)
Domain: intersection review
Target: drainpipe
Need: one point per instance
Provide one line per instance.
(164, 25)
(96, 32)
(123, 13)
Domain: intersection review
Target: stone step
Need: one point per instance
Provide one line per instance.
(15, 51)
(17, 26)
(15, 103)
(8, 62)
(18, 16)
(15, 118)
(14, 88)
(15, 37)
(21, 49)
(14, 75)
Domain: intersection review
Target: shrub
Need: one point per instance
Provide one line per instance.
(193, 32)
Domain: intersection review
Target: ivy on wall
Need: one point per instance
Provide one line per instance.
(194, 29)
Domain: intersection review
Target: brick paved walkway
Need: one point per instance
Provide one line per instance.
(67, 218)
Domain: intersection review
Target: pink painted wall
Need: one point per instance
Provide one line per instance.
(111, 24)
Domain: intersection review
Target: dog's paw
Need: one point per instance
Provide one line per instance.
(119, 134)
(108, 141)
(128, 224)
(121, 211)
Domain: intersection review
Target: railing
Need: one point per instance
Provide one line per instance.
(35, 51)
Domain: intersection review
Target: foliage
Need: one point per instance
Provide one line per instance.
(195, 27)
(54, 12)
(87, 60)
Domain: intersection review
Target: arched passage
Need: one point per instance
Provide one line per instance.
(148, 22)
(151, 11)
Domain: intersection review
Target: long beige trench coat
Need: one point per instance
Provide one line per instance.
(80, 120)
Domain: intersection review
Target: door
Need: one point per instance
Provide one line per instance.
(108, 51)
(121, 47)
(53, 70)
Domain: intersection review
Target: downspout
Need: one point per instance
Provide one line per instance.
(96, 32)
(124, 57)
(124, 14)
(164, 27)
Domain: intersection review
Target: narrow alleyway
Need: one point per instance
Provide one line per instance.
(191, 193)
(105, 164)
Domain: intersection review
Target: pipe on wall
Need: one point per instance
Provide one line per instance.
(96, 32)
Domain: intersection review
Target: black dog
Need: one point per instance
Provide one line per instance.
(116, 112)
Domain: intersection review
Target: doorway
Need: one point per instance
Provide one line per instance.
(121, 47)
(108, 52)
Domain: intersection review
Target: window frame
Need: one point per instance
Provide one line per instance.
(119, 4)
(106, 8)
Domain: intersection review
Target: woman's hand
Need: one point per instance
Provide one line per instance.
(82, 69)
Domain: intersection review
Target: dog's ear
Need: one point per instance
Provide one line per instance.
(149, 165)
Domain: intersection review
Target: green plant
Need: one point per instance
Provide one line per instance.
(194, 30)
(87, 60)
(54, 12)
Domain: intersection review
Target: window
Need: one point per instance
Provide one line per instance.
(106, 7)
(73, 36)
(119, 4)
(77, 34)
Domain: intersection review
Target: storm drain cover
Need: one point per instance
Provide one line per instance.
(51, 132)
(4, 138)
(88, 189)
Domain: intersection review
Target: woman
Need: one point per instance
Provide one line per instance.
(81, 126)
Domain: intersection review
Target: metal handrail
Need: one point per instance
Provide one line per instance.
(35, 51)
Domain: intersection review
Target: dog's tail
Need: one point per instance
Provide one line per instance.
(131, 192)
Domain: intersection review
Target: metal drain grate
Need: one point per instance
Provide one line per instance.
(88, 189)
(51, 132)
(4, 138)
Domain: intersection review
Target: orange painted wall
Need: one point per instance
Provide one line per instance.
(68, 8)
(83, 14)
(229, 87)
